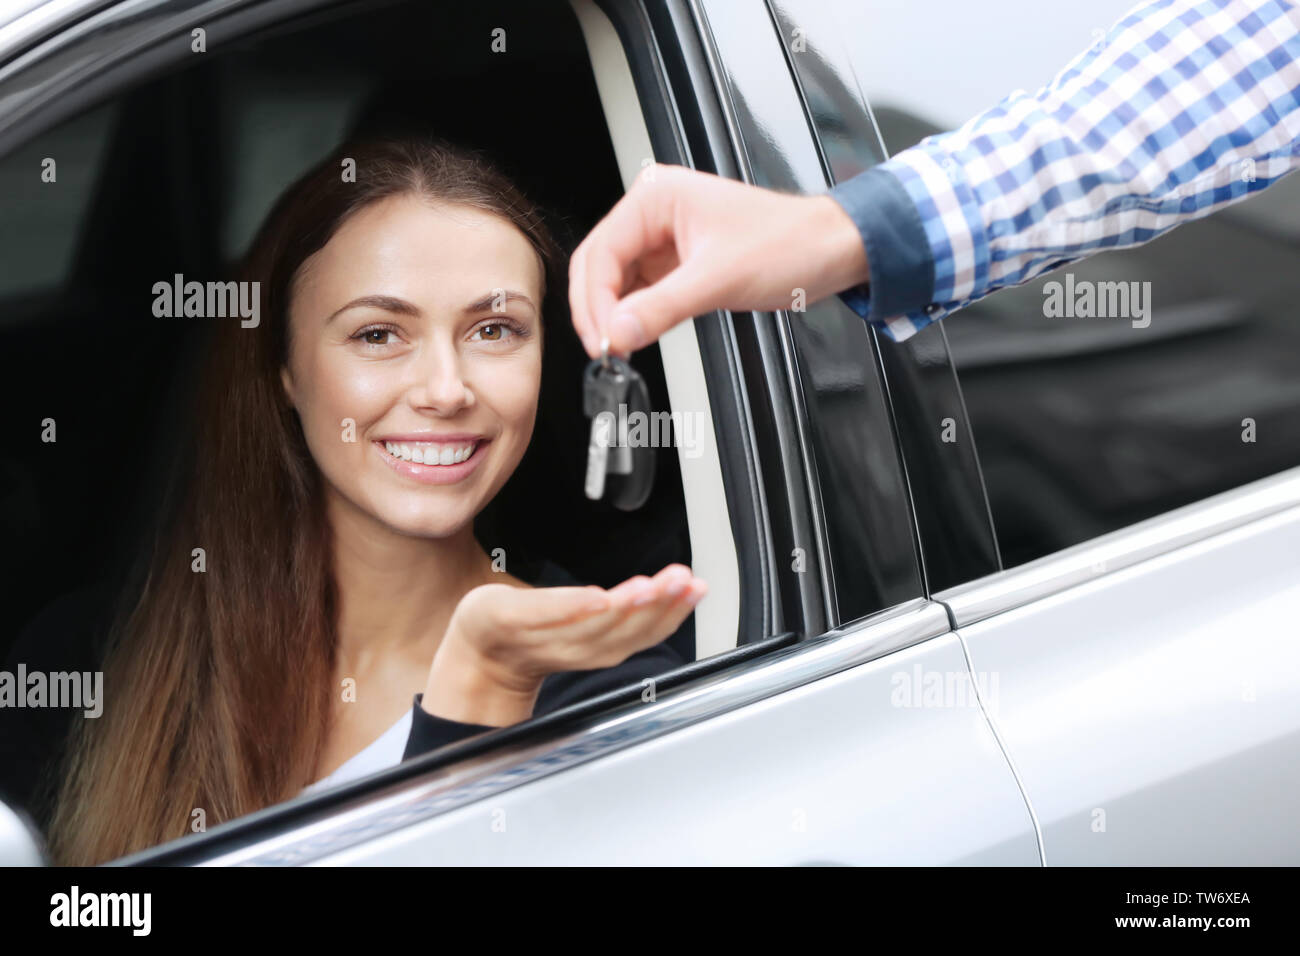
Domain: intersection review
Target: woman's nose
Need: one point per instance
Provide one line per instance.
(440, 383)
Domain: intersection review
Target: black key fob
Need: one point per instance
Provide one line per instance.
(621, 450)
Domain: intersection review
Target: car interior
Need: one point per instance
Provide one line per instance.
(174, 176)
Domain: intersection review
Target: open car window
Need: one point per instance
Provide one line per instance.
(163, 169)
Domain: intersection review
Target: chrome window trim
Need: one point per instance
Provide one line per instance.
(1005, 591)
(41, 19)
(390, 808)
(35, 80)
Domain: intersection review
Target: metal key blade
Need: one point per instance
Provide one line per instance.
(598, 455)
(604, 387)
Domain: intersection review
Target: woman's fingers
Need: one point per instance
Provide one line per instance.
(552, 607)
(523, 634)
(641, 590)
(658, 614)
(647, 611)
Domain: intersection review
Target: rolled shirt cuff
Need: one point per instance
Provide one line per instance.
(921, 227)
(898, 253)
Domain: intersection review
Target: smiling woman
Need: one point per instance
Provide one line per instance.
(416, 357)
(341, 452)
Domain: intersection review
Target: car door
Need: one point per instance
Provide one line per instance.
(1146, 501)
(1148, 681)
(841, 723)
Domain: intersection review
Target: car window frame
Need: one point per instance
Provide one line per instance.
(124, 45)
(954, 524)
(797, 165)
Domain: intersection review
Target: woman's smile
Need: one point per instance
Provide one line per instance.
(441, 462)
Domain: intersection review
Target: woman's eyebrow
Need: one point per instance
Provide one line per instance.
(386, 302)
(503, 296)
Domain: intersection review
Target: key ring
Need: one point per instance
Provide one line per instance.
(604, 352)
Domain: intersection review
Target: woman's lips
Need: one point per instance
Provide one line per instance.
(434, 474)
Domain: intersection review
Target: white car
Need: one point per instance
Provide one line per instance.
(1077, 646)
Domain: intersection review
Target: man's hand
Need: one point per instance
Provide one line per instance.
(682, 243)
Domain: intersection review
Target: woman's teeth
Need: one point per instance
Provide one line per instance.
(429, 453)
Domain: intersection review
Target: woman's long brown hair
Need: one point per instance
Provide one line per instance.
(218, 683)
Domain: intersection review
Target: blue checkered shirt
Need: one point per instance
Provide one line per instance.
(1182, 108)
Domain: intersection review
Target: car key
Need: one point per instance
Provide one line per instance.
(613, 393)
(604, 387)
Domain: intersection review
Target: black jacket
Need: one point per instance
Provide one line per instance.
(70, 635)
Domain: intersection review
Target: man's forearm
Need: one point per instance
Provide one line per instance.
(1183, 108)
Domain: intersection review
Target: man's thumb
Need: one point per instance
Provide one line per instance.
(642, 316)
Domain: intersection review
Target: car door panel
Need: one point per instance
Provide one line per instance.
(1152, 712)
(841, 770)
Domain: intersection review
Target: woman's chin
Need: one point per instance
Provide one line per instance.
(429, 526)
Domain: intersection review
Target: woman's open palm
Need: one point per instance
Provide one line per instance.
(503, 641)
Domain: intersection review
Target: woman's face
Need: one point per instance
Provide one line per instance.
(421, 323)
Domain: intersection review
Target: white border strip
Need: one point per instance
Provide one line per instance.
(713, 549)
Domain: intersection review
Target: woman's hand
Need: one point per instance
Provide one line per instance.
(503, 641)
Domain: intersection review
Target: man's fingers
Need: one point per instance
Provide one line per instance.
(639, 225)
(643, 316)
(578, 310)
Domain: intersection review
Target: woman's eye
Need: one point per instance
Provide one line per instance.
(494, 332)
(374, 336)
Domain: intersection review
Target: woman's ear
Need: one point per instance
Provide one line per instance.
(286, 381)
